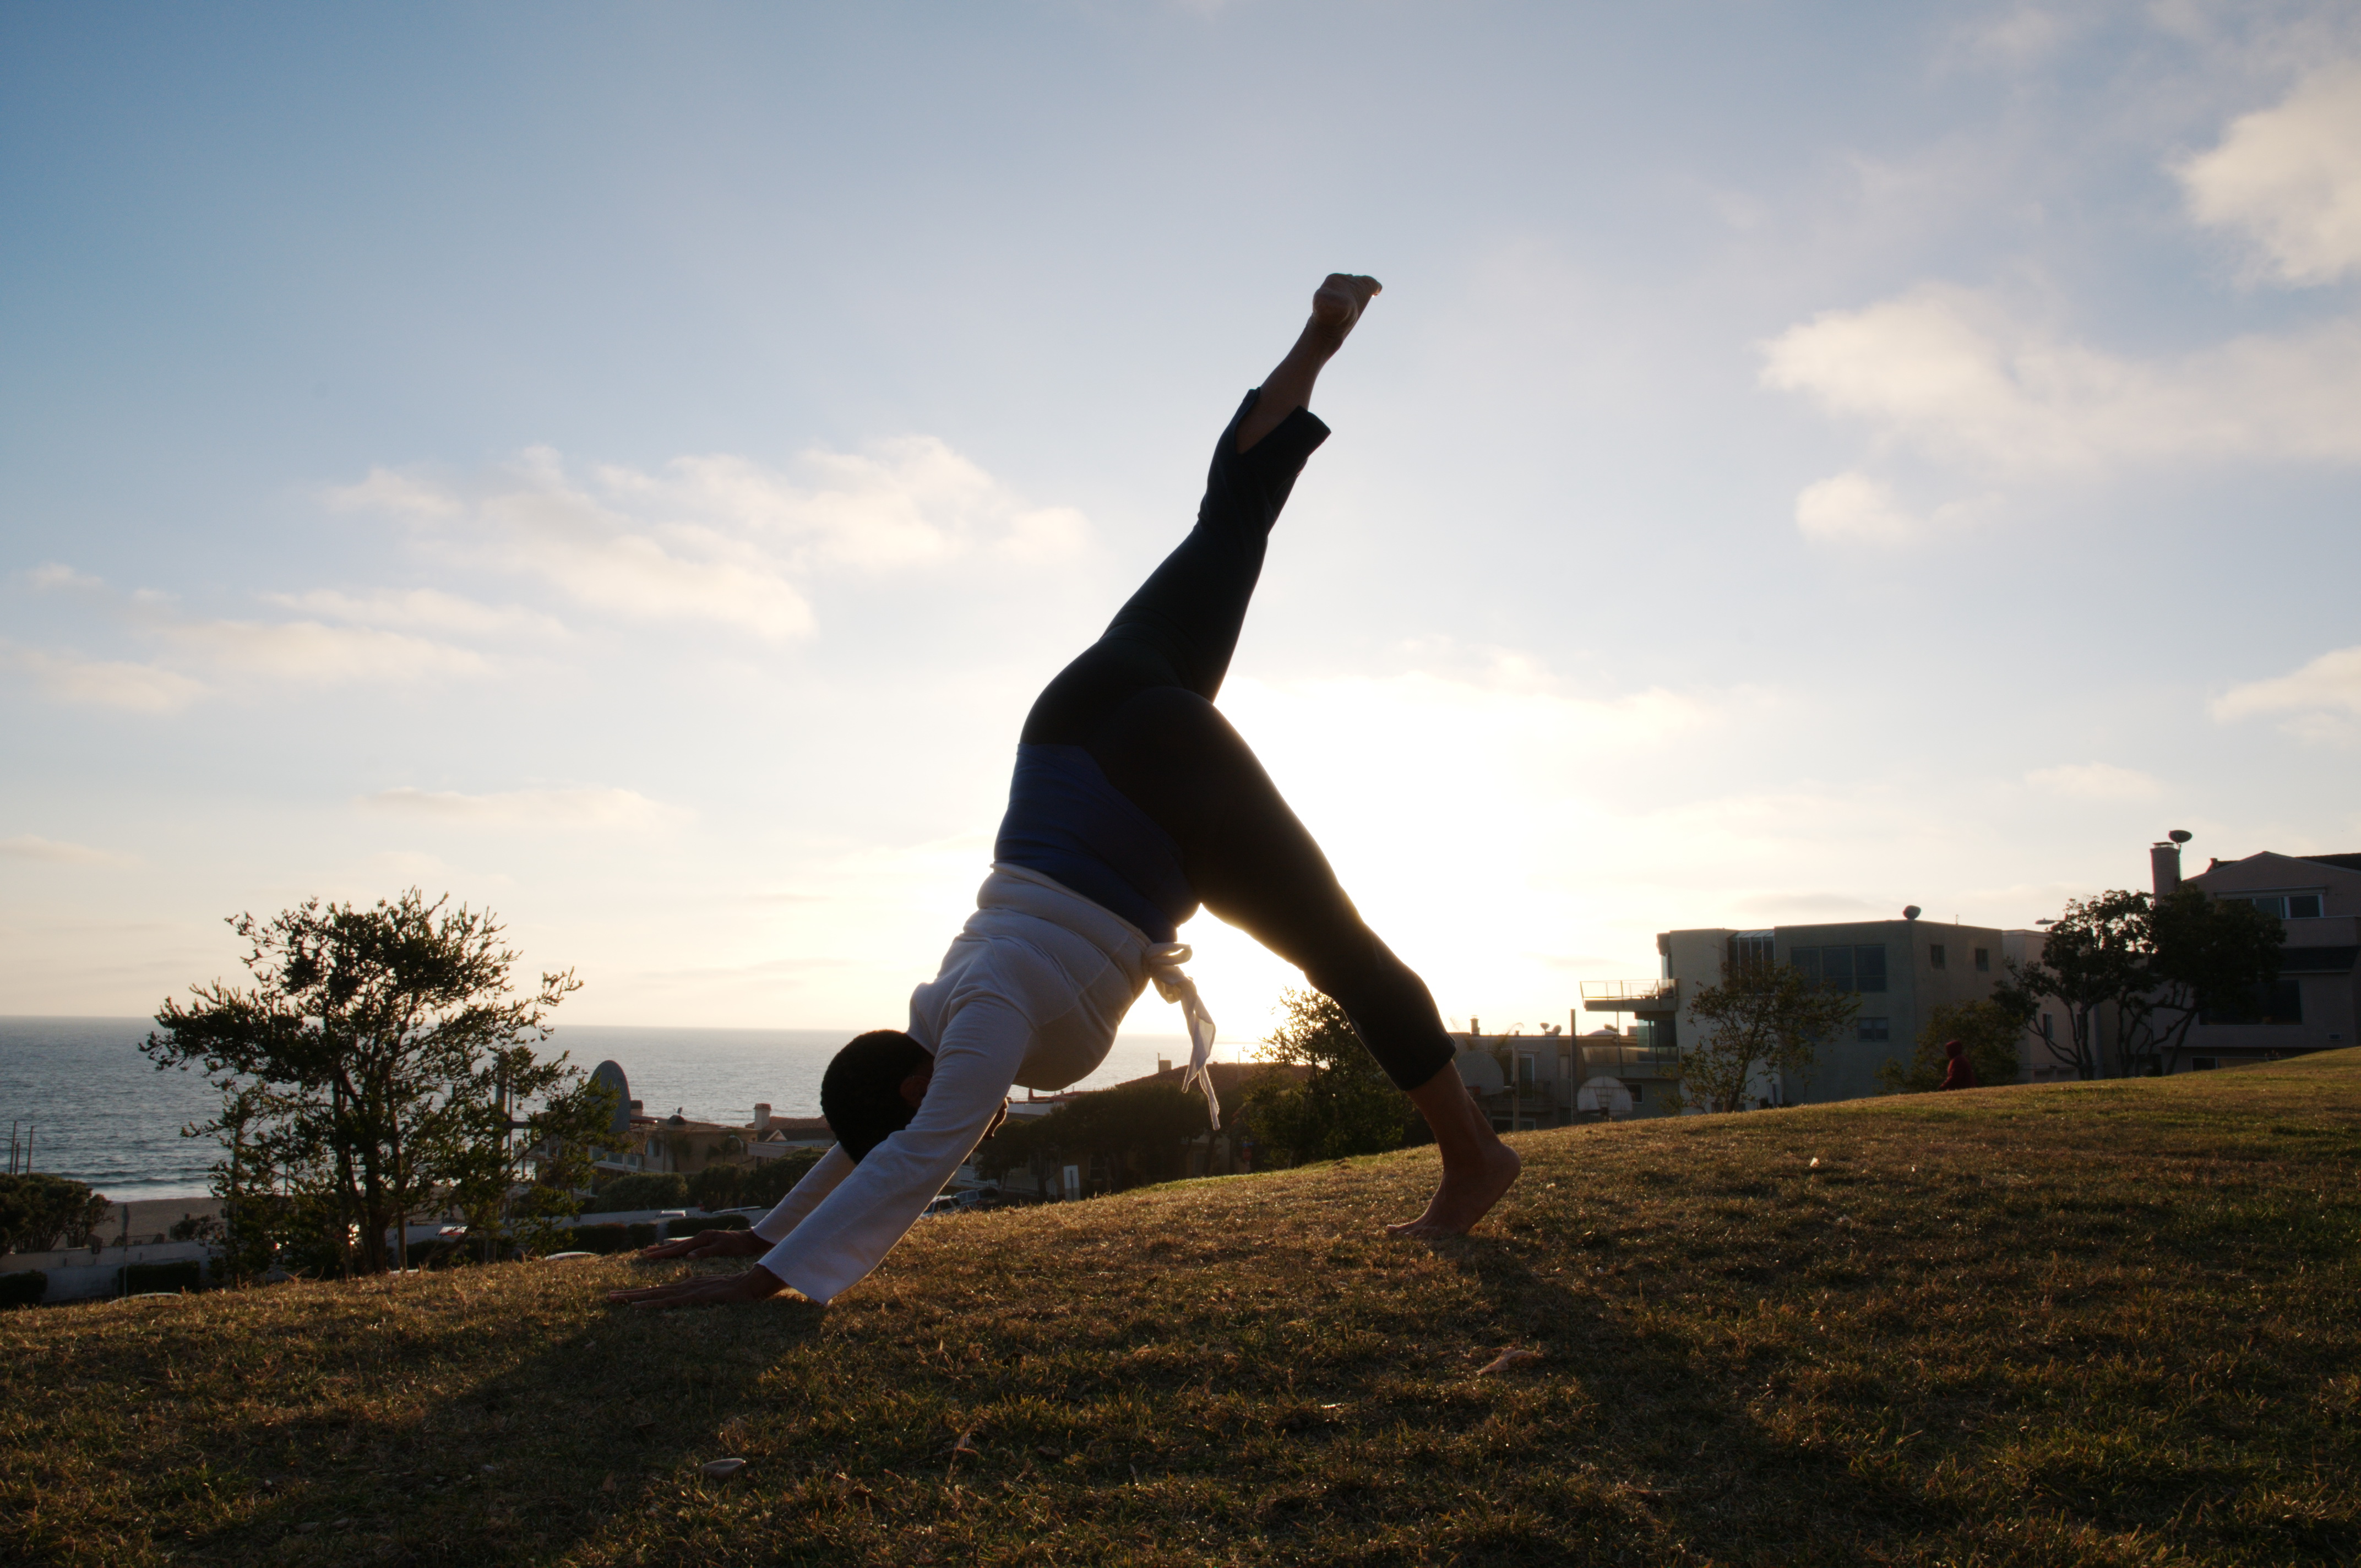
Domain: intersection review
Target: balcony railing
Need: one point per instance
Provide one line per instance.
(1631, 995)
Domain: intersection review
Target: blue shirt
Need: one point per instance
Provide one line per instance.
(1066, 822)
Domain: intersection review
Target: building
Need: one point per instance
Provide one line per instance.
(1900, 970)
(1558, 1078)
(2316, 1003)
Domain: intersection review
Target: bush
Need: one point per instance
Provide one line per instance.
(647, 1190)
(46, 1214)
(24, 1288)
(646, 1233)
(138, 1278)
(769, 1181)
(718, 1186)
(676, 1229)
(442, 1252)
(600, 1239)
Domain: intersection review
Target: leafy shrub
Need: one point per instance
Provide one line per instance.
(718, 1186)
(769, 1181)
(24, 1288)
(644, 1190)
(45, 1214)
(138, 1278)
(442, 1252)
(676, 1229)
(646, 1233)
(600, 1239)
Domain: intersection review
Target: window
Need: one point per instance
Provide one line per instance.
(1983, 960)
(2203, 1064)
(2280, 1001)
(1843, 968)
(2285, 905)
(1871, 1031)
(1639, 1091)
(1935, 955)
(1524, 1069)
(1750, 950)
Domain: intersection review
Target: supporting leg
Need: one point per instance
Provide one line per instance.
(1477, 1168)
(1256, 868)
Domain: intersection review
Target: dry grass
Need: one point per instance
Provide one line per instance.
(2108, 1323)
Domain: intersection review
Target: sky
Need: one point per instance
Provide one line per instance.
(631, 467)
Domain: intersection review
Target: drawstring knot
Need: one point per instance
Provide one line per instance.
(1163, 964)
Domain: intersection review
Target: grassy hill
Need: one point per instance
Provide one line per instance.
(2104, 1323)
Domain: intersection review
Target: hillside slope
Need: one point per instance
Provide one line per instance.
(2095, 1323)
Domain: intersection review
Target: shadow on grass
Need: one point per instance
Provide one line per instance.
(1679, 1433)
(526, 1461)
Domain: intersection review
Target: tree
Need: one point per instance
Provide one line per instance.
(40, 1212)
(374, 1069)
(1771, 1017)
(1342, 1105)
(2207, 954)
(2094, 959)
(2152, 965)
(1988, 1028)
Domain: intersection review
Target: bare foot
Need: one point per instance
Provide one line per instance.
(1338, 302)
(1469, 1190)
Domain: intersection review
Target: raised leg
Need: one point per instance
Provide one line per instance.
(1336, 306)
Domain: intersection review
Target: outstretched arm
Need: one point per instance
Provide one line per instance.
(868, 1209)
(1336, 305)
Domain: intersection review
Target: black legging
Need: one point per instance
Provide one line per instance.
(1140, 700)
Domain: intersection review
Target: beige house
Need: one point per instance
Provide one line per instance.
(2316, 1003)
(1899, 969)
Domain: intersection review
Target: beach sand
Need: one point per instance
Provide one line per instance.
(152, 1217)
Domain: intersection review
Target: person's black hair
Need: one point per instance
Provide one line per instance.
(861, 1094)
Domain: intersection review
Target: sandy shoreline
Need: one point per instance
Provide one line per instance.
(152, 1217)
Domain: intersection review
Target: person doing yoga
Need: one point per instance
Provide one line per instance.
(1134, 804)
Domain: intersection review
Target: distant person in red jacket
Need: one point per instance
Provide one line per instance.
(1957, 1074)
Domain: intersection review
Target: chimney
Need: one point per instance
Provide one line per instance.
(1475, 1030)
(2163, 860)
(1164, 1063)
(762, 1115)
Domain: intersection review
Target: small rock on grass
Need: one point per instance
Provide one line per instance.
(722, 1467)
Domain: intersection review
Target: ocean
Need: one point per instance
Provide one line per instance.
(98, 1111)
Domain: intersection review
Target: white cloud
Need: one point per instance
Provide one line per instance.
(425, 609)
(2288, 180)
(306, 653)
(577, 807)
(57, 574)
(2321, 701)
(1952, 374)
(33, 847)
(723, 539)
(2094, 781)
(1853, 508)
(2021, 35)
(106, 682)
(402, 495)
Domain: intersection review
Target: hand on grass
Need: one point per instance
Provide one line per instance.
(756, 1284)
(708, 1244)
